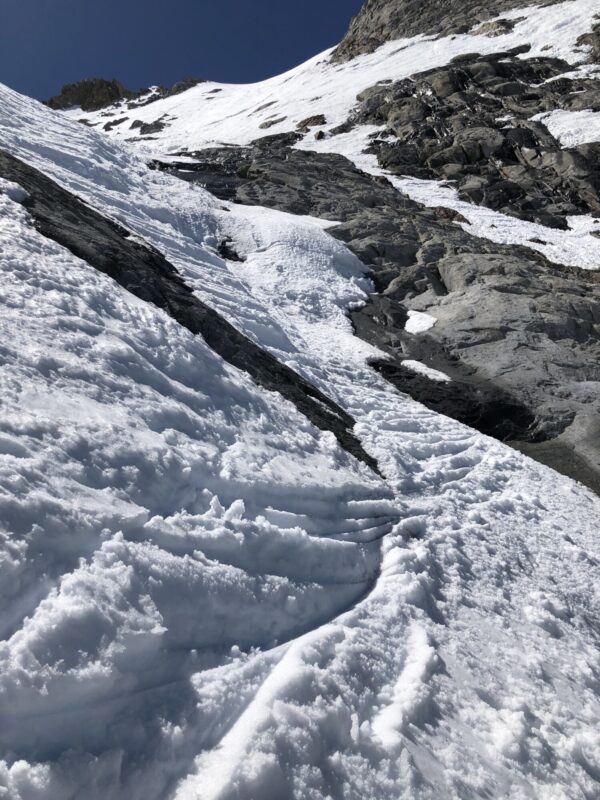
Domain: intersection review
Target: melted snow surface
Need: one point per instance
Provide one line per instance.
(202, 596)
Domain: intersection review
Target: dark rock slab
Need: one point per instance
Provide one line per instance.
(470, 122)
(146, 273)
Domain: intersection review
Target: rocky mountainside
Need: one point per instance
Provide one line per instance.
(480, 122)
(381, 21)
(273, 359)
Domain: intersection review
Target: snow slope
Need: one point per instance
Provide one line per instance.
(202, 595)
(213, 114)
(572, 128)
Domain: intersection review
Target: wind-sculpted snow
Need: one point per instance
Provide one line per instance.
(202, 595)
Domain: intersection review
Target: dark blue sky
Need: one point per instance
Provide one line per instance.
(45, 43)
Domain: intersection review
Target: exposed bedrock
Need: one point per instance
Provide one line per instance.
(145, 272)
(381, 21)
(90, 94)
(471, 123)
(519, 336)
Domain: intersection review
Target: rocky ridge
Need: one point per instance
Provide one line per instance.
(518, 335)
(94, 94)
(381, 21)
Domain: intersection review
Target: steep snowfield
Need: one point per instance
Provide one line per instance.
(205, 597)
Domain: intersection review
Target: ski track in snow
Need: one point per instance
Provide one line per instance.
(202, 595)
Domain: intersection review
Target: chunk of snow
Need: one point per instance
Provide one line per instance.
(12, 190)
(423, 369)
(419, 322)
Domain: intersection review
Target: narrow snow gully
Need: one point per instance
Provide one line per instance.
(146, 273)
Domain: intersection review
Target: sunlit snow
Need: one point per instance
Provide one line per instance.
(203, 596)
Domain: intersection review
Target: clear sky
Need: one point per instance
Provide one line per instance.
(46, 43)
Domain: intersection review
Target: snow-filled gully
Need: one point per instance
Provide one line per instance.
(204, 596)
(62, 217)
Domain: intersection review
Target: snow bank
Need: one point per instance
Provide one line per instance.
(572, 128)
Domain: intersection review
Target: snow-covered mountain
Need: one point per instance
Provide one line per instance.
(238, 559)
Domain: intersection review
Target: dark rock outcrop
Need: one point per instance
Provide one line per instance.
(146, 273)
(471, 122)
(94, 94)
(90, 95)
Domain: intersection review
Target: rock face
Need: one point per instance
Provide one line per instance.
(471, 122)
(381, 21)
(515, 333)
(91, 95)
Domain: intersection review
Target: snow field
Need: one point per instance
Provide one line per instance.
(212, 114)
(572, 128)
(202, 595)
